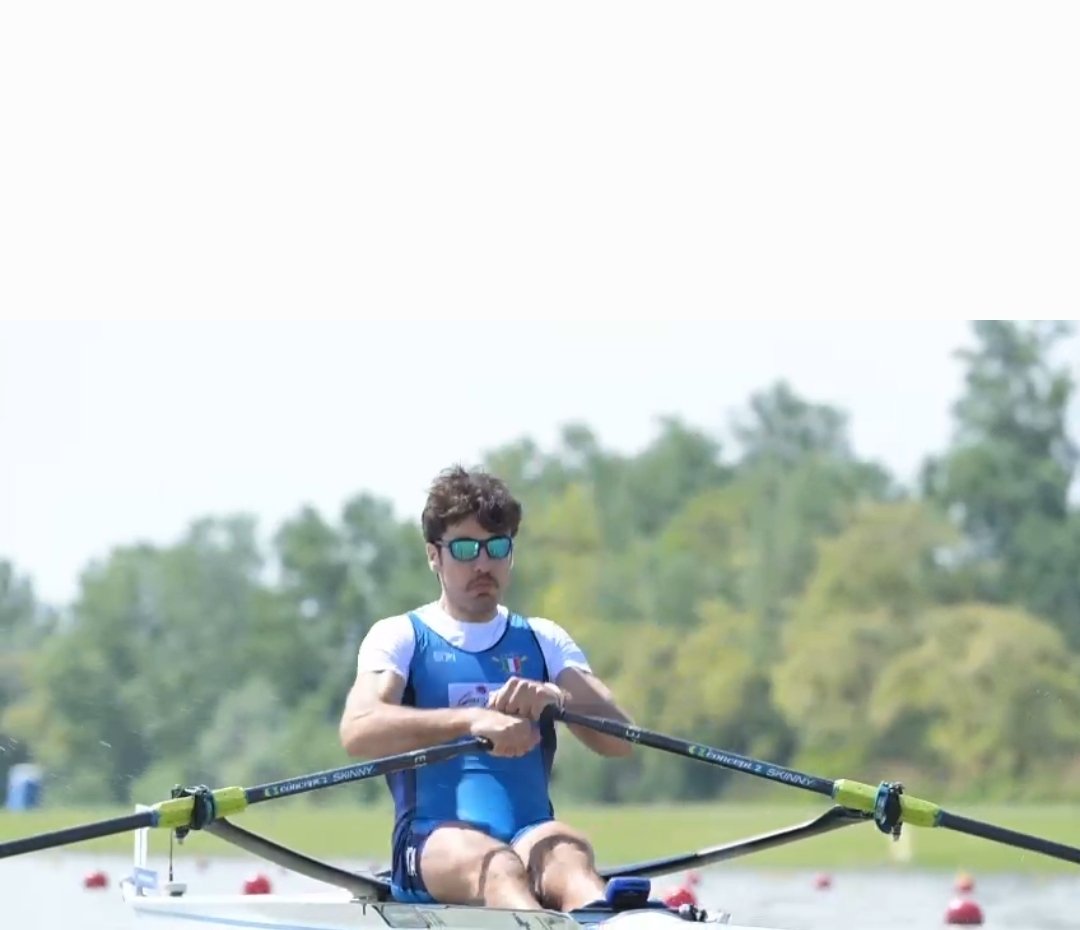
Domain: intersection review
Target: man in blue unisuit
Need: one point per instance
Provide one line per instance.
(480, 828)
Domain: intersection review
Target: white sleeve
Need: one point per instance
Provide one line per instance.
(388, 647)
(560, 650)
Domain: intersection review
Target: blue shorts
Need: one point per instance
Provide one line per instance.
(406, 882)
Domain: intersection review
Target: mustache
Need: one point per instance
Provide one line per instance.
(490, 579)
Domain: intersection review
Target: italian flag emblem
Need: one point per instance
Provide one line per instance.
(512, 665)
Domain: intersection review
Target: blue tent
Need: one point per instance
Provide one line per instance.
(24, 786)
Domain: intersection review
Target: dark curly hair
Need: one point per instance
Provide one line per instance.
(457, 494)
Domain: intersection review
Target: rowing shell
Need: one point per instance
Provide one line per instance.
(338, 910)
(354, 901)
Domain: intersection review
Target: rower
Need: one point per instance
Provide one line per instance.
(480, 827)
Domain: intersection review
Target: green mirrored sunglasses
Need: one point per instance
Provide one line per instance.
(464, 549)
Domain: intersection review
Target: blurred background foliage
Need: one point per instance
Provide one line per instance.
(780, 598)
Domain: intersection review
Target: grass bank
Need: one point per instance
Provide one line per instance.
(626, 833)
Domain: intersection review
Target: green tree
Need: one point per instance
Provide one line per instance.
(783, 429)
(336, 581)
(801, 482)
(24, 624)
(653, 485)
(1007, 475)
(154, 637)
(993, 693)
(859, 608)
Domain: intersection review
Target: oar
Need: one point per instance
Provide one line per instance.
(886, 802)
(834, 818)
(201, 806)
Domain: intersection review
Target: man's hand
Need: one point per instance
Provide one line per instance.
(510, 736)
(523, 697)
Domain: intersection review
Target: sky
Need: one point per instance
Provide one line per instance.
(324, 235)
(262, 157)
(120, 432)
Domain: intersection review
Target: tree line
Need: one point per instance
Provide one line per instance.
(782, 598)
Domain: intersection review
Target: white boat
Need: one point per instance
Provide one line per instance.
(342, 911)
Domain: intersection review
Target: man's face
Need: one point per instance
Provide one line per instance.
(472, 586)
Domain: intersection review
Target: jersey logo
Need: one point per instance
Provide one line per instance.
(468, 694)
(512, 665)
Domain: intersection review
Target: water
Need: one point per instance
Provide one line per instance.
(44, 891)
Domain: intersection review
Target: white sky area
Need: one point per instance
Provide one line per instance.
(443, 175)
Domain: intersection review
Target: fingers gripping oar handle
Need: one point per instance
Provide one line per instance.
(887, 803)
(194, 808)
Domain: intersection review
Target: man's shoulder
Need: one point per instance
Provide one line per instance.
(394, 625)
(387, 645)
(546, 627)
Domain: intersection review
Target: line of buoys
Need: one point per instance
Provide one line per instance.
(962, 909)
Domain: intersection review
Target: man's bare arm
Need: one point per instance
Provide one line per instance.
(587, 694)
(375, 724)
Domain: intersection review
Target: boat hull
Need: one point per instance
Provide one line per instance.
(339, 911)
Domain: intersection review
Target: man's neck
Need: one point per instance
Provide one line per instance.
(465, 616)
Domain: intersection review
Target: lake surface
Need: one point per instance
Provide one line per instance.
(43, 891)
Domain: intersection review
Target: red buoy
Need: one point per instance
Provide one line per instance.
(677, 897)
(823, 880)
(257, 884)
(95, 879)
(963, 911)
(964, 883)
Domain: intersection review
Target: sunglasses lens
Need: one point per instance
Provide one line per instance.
(464, 550)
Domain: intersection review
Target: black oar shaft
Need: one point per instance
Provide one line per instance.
(90, 831)
(362, 770)
(852, 795)
(832, 819)
(1009, 837)
(177, 813)
(720, 757)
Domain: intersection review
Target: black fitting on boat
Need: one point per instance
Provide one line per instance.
(203, 808)
(888, 811)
